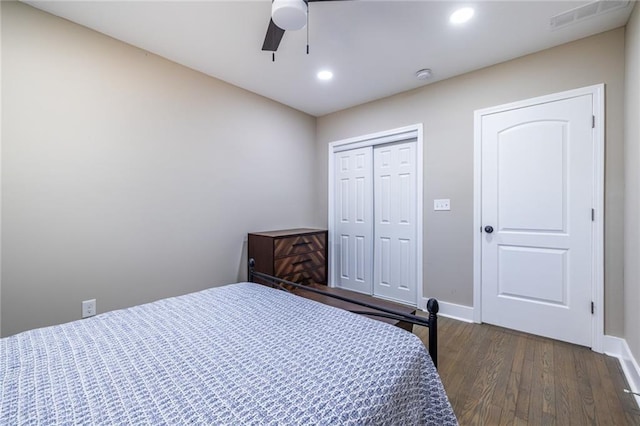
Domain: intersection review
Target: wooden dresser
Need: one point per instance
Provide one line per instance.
(298, 255)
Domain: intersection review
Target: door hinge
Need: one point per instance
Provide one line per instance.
(593, 121)
(593, 308)
(593, 215)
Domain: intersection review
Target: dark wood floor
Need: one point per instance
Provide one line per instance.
(495, 376)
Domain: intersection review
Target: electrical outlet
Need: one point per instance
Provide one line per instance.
(442, 204)
(88, 308)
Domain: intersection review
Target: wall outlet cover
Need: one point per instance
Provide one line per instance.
(88, 308)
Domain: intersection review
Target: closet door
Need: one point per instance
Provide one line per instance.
(395, 228)
(354, 219)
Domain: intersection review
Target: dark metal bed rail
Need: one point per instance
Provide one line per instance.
(432, 307)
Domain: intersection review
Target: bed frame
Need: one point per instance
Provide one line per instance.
(431, 322)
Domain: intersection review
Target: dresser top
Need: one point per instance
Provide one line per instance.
(288, 232)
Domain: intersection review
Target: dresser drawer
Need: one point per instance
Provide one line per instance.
(308, 277)
(298, 245)
(292, 264)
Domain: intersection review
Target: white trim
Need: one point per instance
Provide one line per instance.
(419, 212)
(379, 138)
(617, 347)
(450, 310)
(612, 346)
(597, 93)
(330, 219)
(388, 136)
(477, 216)
(597, 288)
(375, 139)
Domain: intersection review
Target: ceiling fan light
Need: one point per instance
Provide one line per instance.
(290, 15)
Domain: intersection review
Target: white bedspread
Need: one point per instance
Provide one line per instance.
(238, 354)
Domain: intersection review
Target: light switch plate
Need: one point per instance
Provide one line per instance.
(442, 204)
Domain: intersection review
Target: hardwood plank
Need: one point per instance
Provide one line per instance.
(548, 384)
(585, 390)
(524, 390)
(542, 397)
(536, 385)
(464, 401)
(458, 332)
(607, 393)
(631, 411)
(513, 383)
(486, 379)
(481, 378)
(565, 381)
(503, 391)
(449, 362)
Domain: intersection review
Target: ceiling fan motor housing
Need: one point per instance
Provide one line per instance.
(289, 15)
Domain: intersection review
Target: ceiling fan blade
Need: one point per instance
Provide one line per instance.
(273, 37)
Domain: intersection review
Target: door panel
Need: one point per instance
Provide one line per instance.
(354, 224)
(533, 192)
(537, 185)
(395, 222)
(533, 274)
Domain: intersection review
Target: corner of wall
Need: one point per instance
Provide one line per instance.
(632, 196)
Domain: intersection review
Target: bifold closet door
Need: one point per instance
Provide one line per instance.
(354, 219)
(395, 228)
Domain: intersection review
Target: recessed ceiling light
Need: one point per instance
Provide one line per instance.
(325, 75)
(461, 16)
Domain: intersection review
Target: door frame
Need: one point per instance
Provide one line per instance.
(400, 134)
(597, 225)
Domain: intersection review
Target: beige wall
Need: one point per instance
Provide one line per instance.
(128, 178)
(632, 188)
(446, 109)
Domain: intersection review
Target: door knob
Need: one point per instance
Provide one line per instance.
(488, 229)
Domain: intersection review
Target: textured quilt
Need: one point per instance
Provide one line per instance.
(238, 354)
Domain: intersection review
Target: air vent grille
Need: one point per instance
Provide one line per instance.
(586, 11)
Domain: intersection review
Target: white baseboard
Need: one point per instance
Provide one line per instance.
(451, 310)
(617, 347)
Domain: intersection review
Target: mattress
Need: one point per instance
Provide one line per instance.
(237, 354)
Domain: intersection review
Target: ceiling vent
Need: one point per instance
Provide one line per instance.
(586, 11)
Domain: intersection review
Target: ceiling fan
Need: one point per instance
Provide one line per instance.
(286, 15)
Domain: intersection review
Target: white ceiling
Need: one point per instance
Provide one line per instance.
(373, 47)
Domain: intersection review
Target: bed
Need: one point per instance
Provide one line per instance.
(237, 354)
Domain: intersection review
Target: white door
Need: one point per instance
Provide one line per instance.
(537, 190)
(354, 219)
(395, 228)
